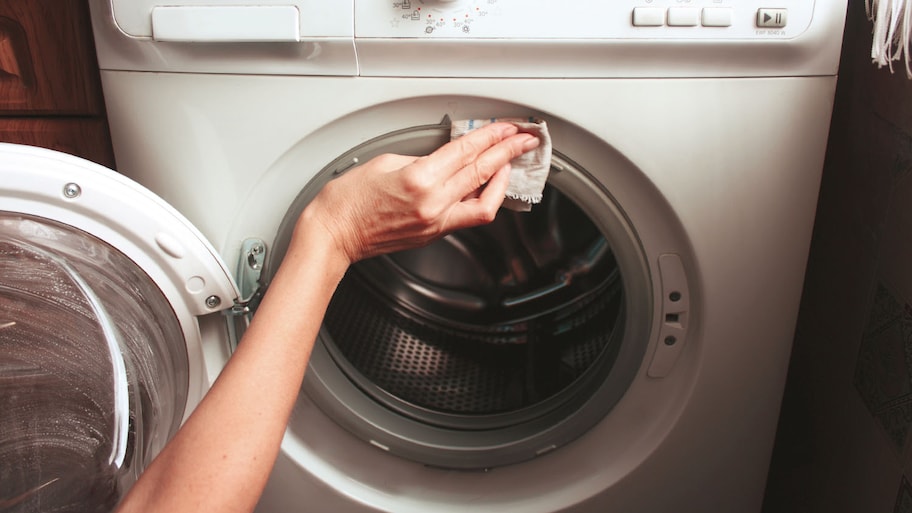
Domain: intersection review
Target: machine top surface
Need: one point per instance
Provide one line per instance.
(472, 38)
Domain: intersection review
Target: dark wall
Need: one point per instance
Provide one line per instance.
(844, 435)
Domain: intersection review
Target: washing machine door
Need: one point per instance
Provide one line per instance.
(104, 292)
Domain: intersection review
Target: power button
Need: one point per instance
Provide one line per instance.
(772, 18)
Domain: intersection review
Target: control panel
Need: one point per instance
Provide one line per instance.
(473, 38)
(583, 19)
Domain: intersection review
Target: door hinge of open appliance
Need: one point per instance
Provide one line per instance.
(250, 266)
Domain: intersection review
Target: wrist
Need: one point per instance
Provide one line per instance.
(314, 244)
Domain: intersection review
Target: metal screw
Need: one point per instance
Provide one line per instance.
(213, 301)
(72, 190)
(253, 253)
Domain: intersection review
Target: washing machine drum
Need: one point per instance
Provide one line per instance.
(487, 322)
(488, 347)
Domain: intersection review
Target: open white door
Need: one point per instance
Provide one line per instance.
(103, 287)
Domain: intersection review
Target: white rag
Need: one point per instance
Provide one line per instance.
(892, 32)
(529, 171)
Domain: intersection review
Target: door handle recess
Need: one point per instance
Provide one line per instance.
(675, 315)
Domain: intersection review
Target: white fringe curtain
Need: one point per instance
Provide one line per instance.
(892, 23)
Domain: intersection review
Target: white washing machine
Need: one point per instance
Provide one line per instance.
(622, 347)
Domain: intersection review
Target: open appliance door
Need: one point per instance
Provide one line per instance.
(105, 346)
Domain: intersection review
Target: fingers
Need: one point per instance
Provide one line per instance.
(482, 208)
(479, 171)
(457, 154)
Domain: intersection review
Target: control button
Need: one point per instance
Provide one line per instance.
(683, 17)
(772, 18)
(717, 17)
(648, 16)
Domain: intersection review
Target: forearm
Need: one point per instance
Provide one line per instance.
(221, 457)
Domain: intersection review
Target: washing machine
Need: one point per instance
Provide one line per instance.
(621, 347)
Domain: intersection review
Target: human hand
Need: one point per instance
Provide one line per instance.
(396, 202)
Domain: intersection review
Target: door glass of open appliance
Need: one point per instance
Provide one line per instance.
(93, 368)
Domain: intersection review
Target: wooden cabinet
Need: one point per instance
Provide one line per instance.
(50, 91)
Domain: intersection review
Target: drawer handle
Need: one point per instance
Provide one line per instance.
(226, 23)
(14, 54)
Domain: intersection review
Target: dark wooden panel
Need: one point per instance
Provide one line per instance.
(47, 59)
(86, 138)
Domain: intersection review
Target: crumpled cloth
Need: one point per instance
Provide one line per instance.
(529, 172)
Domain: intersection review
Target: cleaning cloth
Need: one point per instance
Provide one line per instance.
(529, 171)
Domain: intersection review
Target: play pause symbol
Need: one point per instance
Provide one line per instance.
(772, 18)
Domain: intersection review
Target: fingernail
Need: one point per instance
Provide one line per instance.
(530, 143)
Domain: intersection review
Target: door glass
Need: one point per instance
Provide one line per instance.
(93, 368)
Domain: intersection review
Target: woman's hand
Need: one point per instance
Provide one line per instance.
(395, 202)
